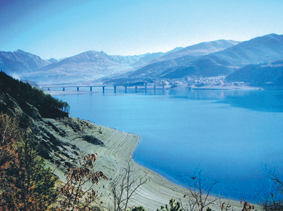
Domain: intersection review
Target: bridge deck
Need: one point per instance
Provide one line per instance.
(63, 87)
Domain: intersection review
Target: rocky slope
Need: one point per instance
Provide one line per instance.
(31, 114)
(51, 139)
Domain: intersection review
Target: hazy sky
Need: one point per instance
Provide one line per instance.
(62, 28)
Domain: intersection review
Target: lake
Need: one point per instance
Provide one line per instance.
(231, 136)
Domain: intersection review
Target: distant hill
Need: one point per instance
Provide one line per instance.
(270, 74)
(255, 51)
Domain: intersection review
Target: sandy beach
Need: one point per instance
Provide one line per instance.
(113, 157)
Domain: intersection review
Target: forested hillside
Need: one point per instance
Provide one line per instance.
(27, 96)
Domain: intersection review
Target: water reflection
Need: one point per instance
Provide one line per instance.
(257, 100)
(261, 100)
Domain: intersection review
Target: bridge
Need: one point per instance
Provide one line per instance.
(63, 87)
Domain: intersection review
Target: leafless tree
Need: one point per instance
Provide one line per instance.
(124, 187)
(271, 203)
(198, 194)
(279, 183)
(190, 204)
(74, 194)
(224, 206)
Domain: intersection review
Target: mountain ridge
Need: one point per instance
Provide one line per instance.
(188, 54)
(20, 61)
(267, 48)
(206, 59)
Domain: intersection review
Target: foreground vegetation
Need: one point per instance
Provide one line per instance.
(26, 184)
(24, 181)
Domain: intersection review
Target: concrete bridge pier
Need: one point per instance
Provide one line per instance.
(163, 88)
(136, 88)
(103, 88)
(154, 88)
(78, 88)
(114, 89)
(63, 89)
(48, 89)
(145, 87)
(90, 88)
(125, 89)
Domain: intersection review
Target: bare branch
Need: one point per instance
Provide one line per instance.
(124, 187)
(198, 196)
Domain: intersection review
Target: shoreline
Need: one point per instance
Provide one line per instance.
(118, 148)
(158, 190)
(113, 157)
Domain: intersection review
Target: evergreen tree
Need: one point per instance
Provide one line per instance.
(25, 184)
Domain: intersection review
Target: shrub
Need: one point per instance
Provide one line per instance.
(173, 206)
(24, 181)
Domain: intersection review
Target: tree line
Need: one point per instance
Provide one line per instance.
(25, 93)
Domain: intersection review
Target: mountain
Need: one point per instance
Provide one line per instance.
(154, 57)
(221, 57)
(85, 66)
(147, 58)
(88, 66)
(200, 49)
(263, 49)
(52, 60)
(19, 62)
(259, 75)
(181, 57)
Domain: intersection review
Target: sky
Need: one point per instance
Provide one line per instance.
(63, 28)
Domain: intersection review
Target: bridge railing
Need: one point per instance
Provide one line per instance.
(63, 88)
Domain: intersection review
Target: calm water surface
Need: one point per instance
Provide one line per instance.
(233, 137)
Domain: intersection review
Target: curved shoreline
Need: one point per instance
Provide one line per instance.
(113, 157)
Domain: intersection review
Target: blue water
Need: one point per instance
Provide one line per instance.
(233, 137)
